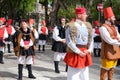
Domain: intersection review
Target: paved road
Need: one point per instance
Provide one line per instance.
(43, 68)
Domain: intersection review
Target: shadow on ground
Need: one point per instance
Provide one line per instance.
(7, 74)
(41, 69)
(56, 78)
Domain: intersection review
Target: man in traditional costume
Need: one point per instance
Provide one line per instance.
(43, 32)
(3, 36)
(10, 30)
(97, 39)
(110, 51)
(31, 26)
(24, 47)
(59, 43)
(79, 46)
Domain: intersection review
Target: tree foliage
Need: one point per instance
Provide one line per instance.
(16, 9)
(67, 8)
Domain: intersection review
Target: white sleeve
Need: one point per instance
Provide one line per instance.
(22, 43)
(13, 30)
(106, 36)
(5, 34)
(90, 49)
(46, 31)
(36, 34)
(39, 30)
(56, 35)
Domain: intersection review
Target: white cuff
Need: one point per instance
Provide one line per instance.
(90, 50)
(77, 51)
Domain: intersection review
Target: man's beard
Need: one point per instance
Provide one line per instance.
(112, 22)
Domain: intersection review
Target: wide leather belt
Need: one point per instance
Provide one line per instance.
(81, 46)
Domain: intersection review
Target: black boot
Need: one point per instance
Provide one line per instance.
(95, 52)
(39, 48)
(20, 68)
(66, 69)
(43, 49)
(8, 45)
(99, 50)
(30, 75)
(1, 57)
(56, 66)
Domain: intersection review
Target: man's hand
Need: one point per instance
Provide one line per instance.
(63, 41)
(86, 51)
(82, 54)
(26, 47)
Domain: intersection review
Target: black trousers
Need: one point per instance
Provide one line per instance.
(1, 56)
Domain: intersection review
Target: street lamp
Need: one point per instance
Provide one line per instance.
(111, 4)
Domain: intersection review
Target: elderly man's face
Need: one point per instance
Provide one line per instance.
(82, 17)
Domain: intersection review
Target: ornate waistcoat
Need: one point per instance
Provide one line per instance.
(109, 51)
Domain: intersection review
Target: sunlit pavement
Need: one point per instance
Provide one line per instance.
(43, 68)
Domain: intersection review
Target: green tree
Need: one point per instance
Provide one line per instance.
(16, 9)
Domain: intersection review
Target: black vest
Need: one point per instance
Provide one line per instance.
(59, 46)
(61, 32)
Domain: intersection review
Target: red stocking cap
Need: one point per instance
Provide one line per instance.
(108, 12)
(80, 10)
(96, 23)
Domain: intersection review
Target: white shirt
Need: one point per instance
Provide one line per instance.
(107, 38)
(55, 34)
